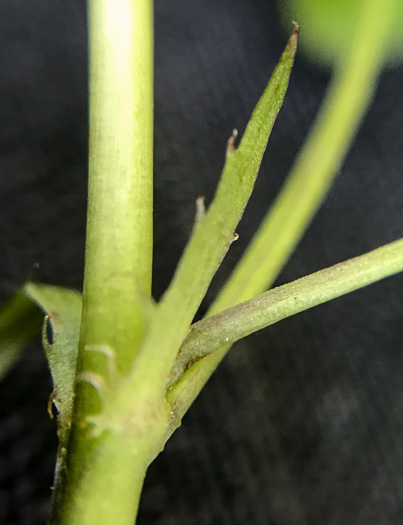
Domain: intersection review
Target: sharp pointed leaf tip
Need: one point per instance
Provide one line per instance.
(296, 26)
(231, 142)
(293, 41)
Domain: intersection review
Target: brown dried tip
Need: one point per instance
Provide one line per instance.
(231, 141)
(293, 41)
(200, 209)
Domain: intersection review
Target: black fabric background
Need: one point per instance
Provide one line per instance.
(303, 423)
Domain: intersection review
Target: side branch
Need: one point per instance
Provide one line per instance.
(229, 326)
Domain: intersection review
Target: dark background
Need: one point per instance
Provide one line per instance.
(303, 423)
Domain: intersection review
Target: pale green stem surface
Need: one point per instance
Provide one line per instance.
(20, 321)
(228, 326)
(348, 96)
(118, 256)
(105, 473)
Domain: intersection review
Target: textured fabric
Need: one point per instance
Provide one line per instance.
(303, 423)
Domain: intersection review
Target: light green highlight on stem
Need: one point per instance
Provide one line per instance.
(348, 96)
(118, 257)
(227, 327)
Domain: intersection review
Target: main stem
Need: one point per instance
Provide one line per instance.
(104, 474)
(118, 256)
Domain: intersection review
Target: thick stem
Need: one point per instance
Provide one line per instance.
(104, 480)
(347, 99)
(104, 474)
(118, 256)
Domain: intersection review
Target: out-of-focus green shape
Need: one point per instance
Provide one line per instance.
(20, 321)
(60, 335)
(328, 27)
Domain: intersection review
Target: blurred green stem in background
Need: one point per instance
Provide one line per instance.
(20, 321)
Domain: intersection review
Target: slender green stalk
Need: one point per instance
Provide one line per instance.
(349, 94)
(227, 327)
(104, 474)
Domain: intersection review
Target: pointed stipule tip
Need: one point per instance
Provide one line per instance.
(231, 142)
(292, 43)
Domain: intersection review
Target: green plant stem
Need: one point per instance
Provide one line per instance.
(212, 235)
(109, 450)
(105, 473)
(348, 96)
(20, 321)
(118, 256)
(228, 326)
(137, 405)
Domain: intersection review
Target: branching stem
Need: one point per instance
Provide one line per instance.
(348, 96)
(228, 326)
